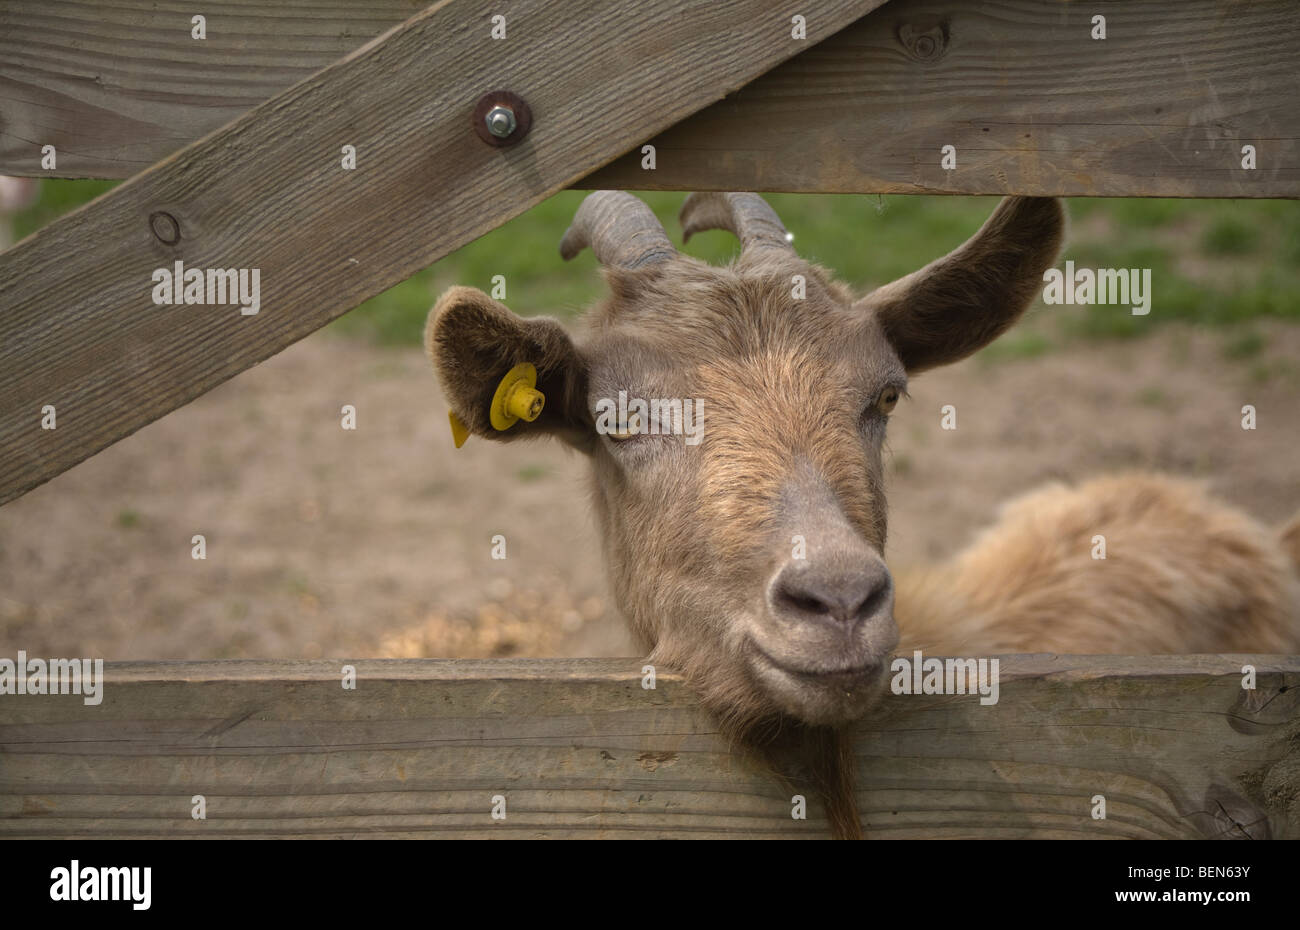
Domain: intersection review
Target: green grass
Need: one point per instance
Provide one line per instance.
(1242, 345)
(1214, 262)
(1230, 236)
(853, 235)
(1017, 345)
(1217, 263)
(57, 198)
(1152, 397)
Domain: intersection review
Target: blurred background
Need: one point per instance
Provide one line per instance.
(377, 542)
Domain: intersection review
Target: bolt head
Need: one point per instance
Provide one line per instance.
(500, 121)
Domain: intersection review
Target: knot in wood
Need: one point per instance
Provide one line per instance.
(165, 227)
(924, 43)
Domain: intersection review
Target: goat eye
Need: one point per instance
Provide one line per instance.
(887, 400)
(629, 429)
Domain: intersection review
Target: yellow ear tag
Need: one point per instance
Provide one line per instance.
(516, 398)
(459, 431)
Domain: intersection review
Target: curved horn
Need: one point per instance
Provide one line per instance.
(620, 229)
(748, 216)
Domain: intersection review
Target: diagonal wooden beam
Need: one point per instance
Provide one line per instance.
(79, 330)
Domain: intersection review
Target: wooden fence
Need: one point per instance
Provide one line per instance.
(232, 144)
(579, 748)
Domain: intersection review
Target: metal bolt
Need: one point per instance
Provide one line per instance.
(500, 121)
(502, 118)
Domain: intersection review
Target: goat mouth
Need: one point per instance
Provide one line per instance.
(854, 674)
(823, 696)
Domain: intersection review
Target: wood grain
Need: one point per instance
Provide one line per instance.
(79, 331)
(579, 749)
(1031, 102)
(116, 87)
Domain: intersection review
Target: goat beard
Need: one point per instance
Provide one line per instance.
(795, 752)
(819, 756)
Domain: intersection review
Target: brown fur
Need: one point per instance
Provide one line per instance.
(1183, 573)
(1290, 540)
(699, 537)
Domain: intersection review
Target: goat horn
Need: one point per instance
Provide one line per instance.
(620, 229)
(748, 216)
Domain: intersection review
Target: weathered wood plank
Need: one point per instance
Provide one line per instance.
(579, 749)
(116, 87)
(1032, 104)
(78, 328)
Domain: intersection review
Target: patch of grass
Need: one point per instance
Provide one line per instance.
(1130, 212)
(1244, 345)
(1152, 397)
(1229, 236)
(128, 518)
(1016, 346)
(1106, 322)
(867, 241)
(55, 199)
(1264, 372)
(1261, 373)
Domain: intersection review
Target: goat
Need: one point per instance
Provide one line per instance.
(753, 561)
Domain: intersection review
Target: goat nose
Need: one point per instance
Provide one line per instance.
(803, 592)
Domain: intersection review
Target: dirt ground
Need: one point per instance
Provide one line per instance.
(377, 542)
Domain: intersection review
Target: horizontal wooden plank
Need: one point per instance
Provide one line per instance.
(1030, 101)
(578, 748)
(79, 330)
(116, 87)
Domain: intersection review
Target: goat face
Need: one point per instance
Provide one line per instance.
(745, 537)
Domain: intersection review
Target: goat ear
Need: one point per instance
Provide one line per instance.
(968, 298)
(474, 341)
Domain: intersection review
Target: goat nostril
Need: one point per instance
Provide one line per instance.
(805, 603)
(846, 601)
(874, 601)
